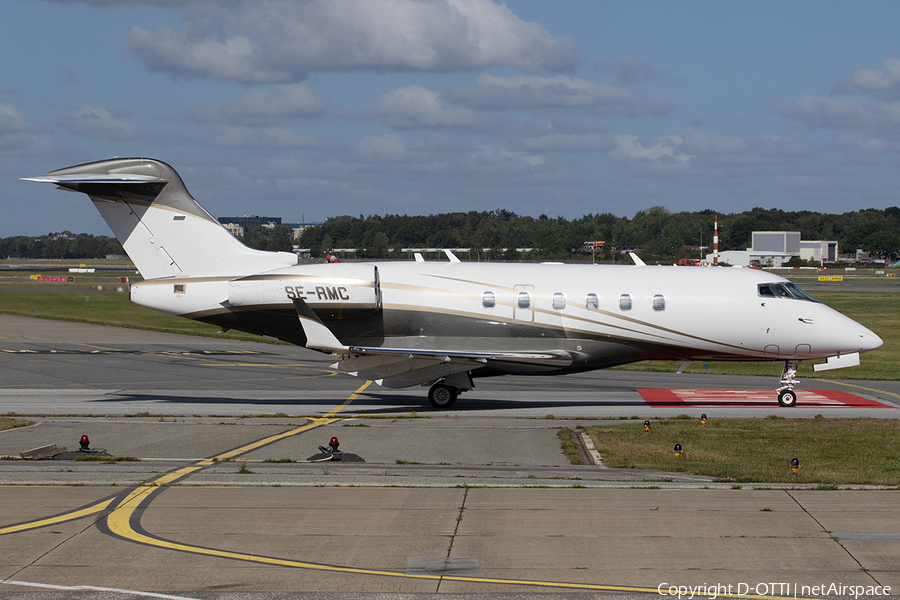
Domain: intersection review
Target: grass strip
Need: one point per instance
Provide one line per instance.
(106, 459)
(569, 445)
(10, 423)
(111, 309)
(831, 451)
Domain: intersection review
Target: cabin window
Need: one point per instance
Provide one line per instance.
(178, 218)
(488, 300)
(659, 303)
(559, 301)
(625, 302)
(523, 300)
(179, 288)
(592, 302)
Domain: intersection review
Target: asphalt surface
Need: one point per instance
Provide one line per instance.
(474, 501)
(53, 367)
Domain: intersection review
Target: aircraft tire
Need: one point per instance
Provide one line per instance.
(442, 396)
(787, 398)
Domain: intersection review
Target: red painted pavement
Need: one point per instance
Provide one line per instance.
(665, 398)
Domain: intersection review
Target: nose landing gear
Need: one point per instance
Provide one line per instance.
(786, 394)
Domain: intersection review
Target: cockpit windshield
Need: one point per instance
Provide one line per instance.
(784, 289)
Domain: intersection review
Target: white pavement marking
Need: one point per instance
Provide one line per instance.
(595, 455)
(92, 588)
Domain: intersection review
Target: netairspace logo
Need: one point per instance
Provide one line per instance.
(789, 590)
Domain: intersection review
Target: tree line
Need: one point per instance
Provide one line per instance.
(662, 235)
(60, 245)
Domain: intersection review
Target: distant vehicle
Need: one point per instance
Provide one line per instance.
(444, 324)
(592, 246)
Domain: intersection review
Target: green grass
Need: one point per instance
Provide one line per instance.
(569, 445)
(831, 451)
(106, 308)
(8, 423)
(106, 459)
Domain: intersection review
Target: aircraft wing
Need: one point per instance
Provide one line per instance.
(404, 367)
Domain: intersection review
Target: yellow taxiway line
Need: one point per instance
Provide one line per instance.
(70, 516)
(120, 523)
(860, 387)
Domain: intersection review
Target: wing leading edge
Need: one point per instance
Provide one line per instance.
(404, 367)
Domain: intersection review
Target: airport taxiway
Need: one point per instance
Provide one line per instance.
(473, 501)
(53, 367)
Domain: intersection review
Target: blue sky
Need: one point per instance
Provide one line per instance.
(319, 108)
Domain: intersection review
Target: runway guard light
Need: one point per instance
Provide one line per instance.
(678, 451)
(646, 425)
(703, 419)
(334, 444)
(795, 465)
(85, 442)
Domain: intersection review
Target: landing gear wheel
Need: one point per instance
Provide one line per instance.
(442, 396)
(787, 398)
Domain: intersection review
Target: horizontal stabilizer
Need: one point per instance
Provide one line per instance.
(95, 178)
(125, 186)
(839, 362)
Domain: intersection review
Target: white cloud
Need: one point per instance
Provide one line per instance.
(561, 92)
(385, 147)
(886, 82)
(18, 135)
(840, 113)
(290, 103)
(416, 107)
(664, 155)
(564, 142)
(98, 123)
(861, 143)
(474, 109)
(13, 121)
(280, 41)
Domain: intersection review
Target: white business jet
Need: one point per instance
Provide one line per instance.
(445, 323)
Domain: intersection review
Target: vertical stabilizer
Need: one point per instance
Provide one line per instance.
(162, 228)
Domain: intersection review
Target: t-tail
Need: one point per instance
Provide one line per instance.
(165, 232)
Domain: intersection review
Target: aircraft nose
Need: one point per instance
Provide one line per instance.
(868, 340)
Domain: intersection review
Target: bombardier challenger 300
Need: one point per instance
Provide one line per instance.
(443, 324)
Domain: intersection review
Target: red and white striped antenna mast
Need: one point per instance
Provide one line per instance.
(716, 241)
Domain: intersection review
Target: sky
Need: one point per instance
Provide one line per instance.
(309, 109)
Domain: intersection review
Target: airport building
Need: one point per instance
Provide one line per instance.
(246, 221)
(776, 248)
(238, 225)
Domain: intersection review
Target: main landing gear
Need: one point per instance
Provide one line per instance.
(786, 394)
(442, 396)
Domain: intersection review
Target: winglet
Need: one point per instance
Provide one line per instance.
(637, 260)
(318, 336)
(453, 258)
